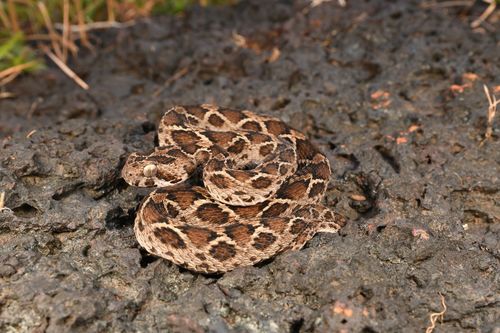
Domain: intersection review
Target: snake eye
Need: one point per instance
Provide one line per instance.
(150, 170)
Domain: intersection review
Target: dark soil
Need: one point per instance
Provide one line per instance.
(384, 88)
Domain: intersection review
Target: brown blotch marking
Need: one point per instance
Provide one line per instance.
(293, 191)
(174, 118)
(219, 181)
(340, 220)
(177, 153)
(154, 212)
(271, 168)
(163, 175)
(196, 111)
(215, 120)
(329, 215)
(263, 240)
(193, 120)
(275, 209)
(287, 156)
(283, 170)
(172, 211)
(204, 267)
(149, 182)
(185, 137)
(261, 182)
(298, 226)
(200, 256)
(253, 259)
(233, 116)
(303, 212)
(266, 150)
(321, 171)
(305, 150)
(302, 239)
(140, 226)
(162, 159)
(316, 189)
(277, 224)
(240, 233)
(223, 251)
(252, 126)
(248, 211)
(184, 198)
(241, 175)
(169, 237)
(276, 127)
(202, 156)
(220, 137)
(237, 147)
(187, 140)
(135, 158)
(212, 213)
(215, 165)
(153, 250)
(199, 236)
(137, 182)
(257, 138)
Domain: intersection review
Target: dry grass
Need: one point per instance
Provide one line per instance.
(56, 28)
(492, 4)
(491, 7)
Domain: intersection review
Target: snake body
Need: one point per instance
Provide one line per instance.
(233, 188)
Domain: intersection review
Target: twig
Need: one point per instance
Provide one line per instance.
(477, 22)
(31, 133)
(44, 37)
(6, 94)
(492, 110)
(64, 68)
(3, 17)
(11, 73)
(16, 69)
(445, 4)
(436, 315)
(13, 15)
(50, 28)
(81, 23)
(315, 3)
(111, 12)
(65, 32)
(96, 26)
(2, 203)
(9, 78)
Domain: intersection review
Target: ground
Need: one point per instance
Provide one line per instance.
(391, 91)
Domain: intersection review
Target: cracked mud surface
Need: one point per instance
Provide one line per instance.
(372, 84)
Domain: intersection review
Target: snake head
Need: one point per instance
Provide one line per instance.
(162, 168)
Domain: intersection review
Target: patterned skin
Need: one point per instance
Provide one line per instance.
(262, 183)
